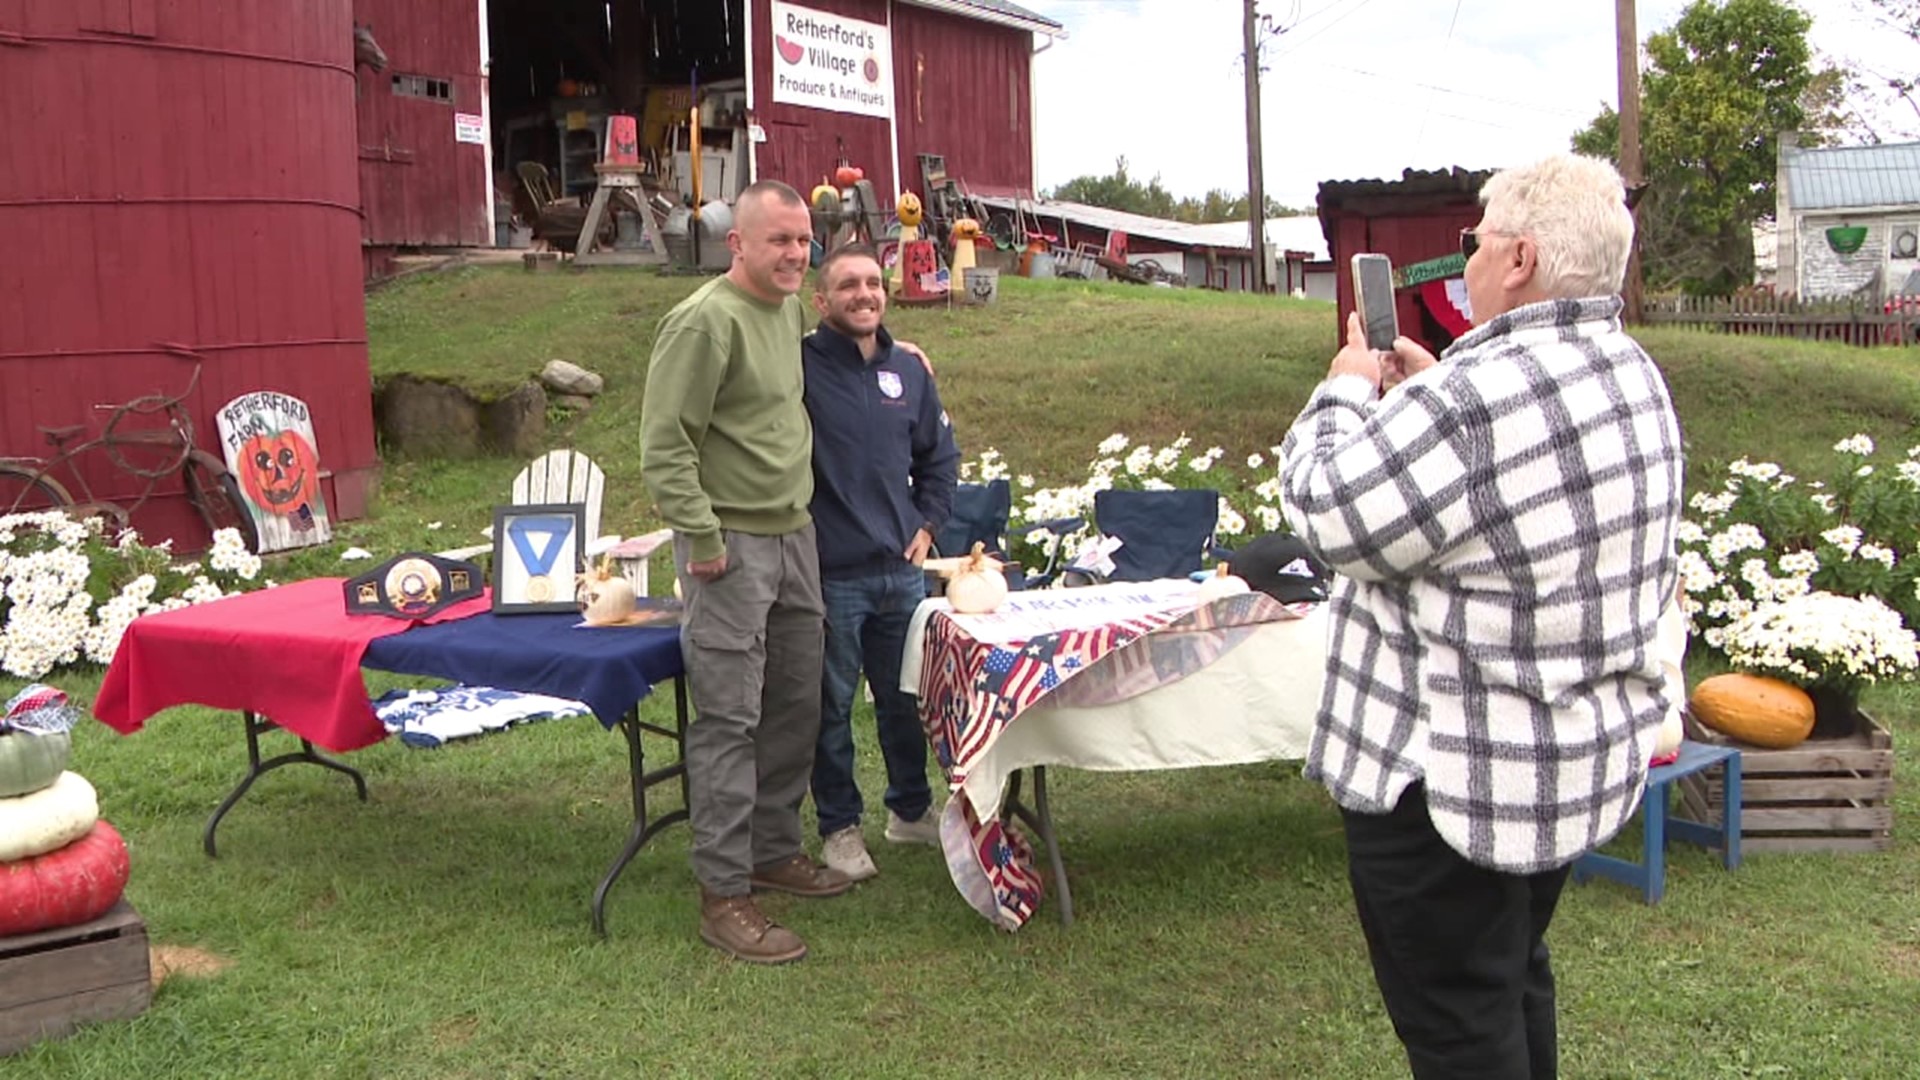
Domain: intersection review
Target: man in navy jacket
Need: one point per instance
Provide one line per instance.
(884, 467)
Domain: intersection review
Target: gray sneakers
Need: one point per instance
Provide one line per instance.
(924, 831)
(846, 851)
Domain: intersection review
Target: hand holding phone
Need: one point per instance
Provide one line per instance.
(1373, 298)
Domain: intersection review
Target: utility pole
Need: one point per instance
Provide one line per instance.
(1630, 163)
(1256, 187)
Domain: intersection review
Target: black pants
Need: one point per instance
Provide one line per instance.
(1459, 950)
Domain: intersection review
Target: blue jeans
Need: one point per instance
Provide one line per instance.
(867, 628)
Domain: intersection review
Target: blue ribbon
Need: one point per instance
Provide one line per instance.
(555, 529)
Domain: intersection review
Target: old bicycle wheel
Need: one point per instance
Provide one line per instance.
(216, 497)
(25, 490)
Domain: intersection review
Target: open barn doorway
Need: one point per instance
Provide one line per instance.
(560, 68)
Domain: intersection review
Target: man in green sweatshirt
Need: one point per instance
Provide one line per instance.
(726, 453)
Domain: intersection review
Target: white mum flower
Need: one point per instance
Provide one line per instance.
(1861, 445)
(1113, 443)
(1844, 537)
(1254, 461)
(1231, 523)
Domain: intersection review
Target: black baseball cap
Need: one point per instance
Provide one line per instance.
(1283, 567)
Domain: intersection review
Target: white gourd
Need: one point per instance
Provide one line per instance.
(48, 819)
(1224, 582)
(978, 587)
(606, 595)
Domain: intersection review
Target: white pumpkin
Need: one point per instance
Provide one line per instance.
(1223, 583)
(48, 819)
(979, 586)
(606, 596)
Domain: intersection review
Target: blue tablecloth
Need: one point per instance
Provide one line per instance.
(608, 668)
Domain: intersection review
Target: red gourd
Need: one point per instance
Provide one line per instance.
(65, 887)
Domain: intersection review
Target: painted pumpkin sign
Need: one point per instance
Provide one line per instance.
(270, 449)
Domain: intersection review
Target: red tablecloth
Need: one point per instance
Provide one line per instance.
(290, 653)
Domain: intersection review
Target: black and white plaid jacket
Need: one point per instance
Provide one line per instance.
(1503, 527)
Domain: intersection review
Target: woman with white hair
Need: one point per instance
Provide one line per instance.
(1502, 522)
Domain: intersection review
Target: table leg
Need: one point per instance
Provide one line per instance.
(642, 830)
(1040, 819)
(255, 727)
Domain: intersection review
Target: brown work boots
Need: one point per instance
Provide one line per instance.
(801, 876)
(736, 926)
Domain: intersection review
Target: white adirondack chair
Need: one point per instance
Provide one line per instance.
(558, 476)
(563, 476)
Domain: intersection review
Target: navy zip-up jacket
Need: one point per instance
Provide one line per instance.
(884, 460)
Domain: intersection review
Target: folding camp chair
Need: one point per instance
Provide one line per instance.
(981, 514)
(1164, 534)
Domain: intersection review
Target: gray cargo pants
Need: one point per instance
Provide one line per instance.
(752, 640)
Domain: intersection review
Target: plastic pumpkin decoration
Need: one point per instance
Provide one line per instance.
(966, 229)
(908, 209)
(848, 175)
(280, 471)
(825, 198)
(568, 88)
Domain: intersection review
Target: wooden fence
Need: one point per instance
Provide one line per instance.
(1894, 321)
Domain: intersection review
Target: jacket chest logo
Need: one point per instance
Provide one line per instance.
(890, 383)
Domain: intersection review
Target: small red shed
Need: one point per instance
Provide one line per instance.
(1414, 221)
(181, 180)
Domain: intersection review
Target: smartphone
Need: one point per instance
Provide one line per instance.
(1373, 296)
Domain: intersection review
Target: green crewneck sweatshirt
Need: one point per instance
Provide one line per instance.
(724, 437)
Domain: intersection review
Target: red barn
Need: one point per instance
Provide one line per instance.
(475, 91)
(1414, 221)
(178, 181)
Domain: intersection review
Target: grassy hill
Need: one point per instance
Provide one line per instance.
(1057, 366)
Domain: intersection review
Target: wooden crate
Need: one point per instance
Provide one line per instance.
(56, 980)
(1823, 795)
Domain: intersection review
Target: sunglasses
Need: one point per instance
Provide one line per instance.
(1470, 241)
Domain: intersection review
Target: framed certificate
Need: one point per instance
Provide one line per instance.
(538, 550)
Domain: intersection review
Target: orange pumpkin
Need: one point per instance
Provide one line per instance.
(848, 175)
(280, 471)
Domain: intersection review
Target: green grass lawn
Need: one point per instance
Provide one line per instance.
(441, 929)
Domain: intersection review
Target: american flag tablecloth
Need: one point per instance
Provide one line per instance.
(978, 673)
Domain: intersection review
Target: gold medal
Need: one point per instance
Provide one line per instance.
(539, 589)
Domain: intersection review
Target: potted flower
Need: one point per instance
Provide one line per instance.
(1829, 645)
(1770, 536)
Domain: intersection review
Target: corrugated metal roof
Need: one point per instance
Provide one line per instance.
(1299, 233)
(1849, 177)
(995, 11)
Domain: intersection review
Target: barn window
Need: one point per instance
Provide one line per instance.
(424, 86)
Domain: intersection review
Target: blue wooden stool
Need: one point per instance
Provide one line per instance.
(1650, 875)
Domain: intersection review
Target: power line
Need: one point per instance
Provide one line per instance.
(1403, 81)
(1302, 43)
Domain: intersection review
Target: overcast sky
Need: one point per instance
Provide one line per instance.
(1356, 89)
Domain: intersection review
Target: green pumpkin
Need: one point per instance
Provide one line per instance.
(31, 762)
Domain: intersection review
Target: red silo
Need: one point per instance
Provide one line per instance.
(178, 180)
